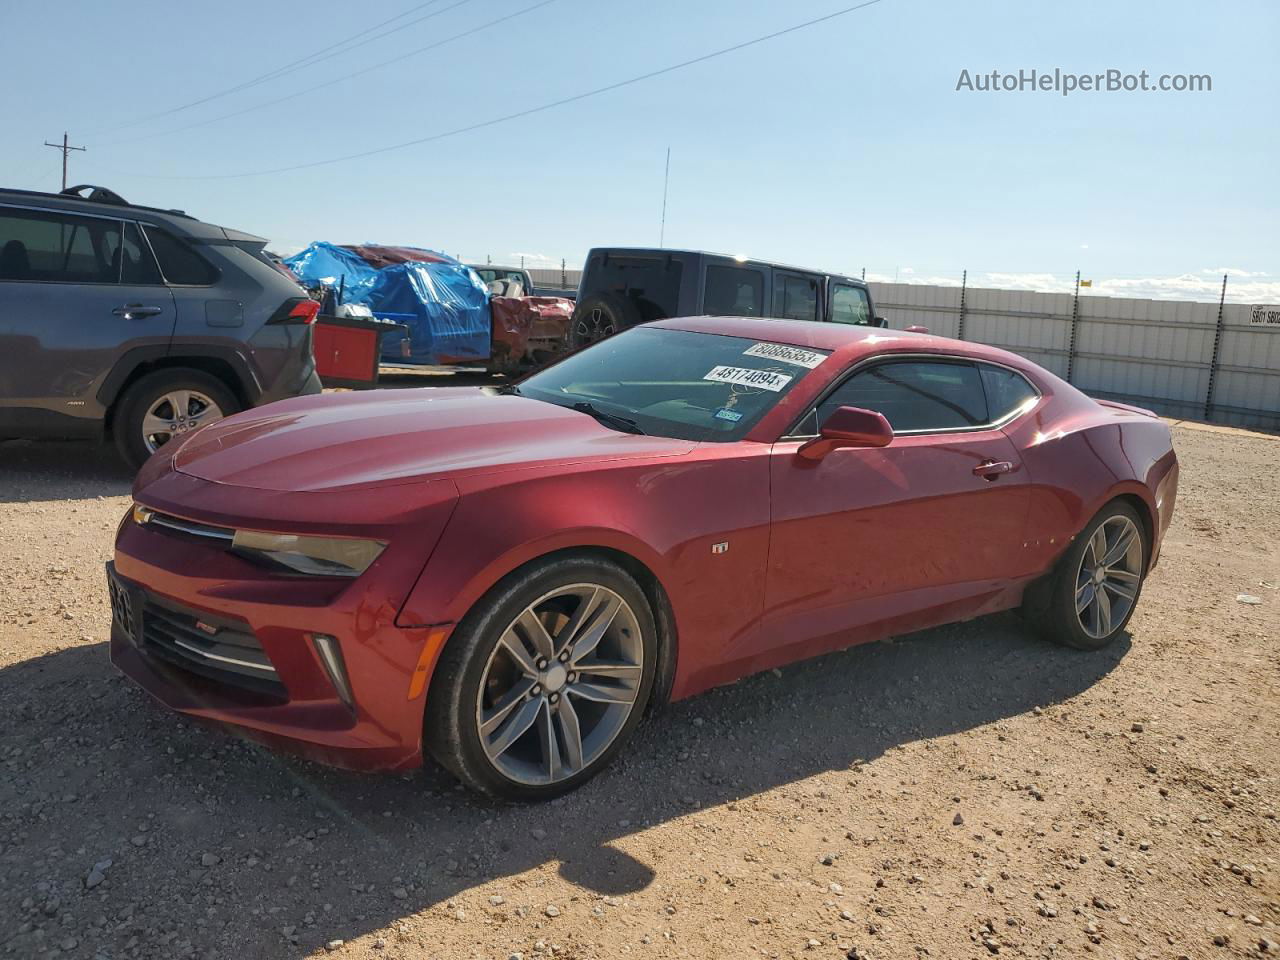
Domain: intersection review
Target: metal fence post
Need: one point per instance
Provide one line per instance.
(1075, 320)
(1217, 348)
(964, 283)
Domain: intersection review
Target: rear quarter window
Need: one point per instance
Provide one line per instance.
(651, 283)
(733, 292)
(179, 261)
(1008, 392)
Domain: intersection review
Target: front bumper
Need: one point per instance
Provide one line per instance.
(209, 643)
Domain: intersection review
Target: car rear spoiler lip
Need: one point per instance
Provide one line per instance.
(1127, 408)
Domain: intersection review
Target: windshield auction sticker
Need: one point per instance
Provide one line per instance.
(764, 379)
(780, 351)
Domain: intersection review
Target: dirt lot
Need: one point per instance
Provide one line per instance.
(963, 792)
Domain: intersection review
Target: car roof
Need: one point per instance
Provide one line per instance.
(178, 220)
(848, 340)
(743, 261)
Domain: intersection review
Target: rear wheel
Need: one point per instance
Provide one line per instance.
(544, 680)
(601, 315)
(1096, 586)
(164, 405)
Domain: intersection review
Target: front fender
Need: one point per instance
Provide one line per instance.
(459, 574)
(700, 526)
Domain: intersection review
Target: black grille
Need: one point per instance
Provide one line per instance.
(122, 607)
(211, 647)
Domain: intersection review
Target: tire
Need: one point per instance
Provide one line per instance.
(601, 315)
(1054, 608)
(208, 400)
(479, 680)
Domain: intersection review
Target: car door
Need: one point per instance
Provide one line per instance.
(870, 542)
(76, 292)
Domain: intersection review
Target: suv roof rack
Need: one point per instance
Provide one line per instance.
(96, 194)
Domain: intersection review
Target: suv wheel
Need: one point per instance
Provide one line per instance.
(164, 405)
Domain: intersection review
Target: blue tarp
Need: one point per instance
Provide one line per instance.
(444, 304)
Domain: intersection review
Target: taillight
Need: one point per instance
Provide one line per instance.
(296, 310)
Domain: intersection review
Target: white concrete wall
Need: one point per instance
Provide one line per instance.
(1156, 353)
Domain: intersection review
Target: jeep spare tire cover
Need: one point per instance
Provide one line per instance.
(601, 315)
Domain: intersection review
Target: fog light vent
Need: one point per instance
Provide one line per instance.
(331, 656)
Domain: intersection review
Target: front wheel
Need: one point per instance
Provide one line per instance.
(1096, 586)
(543, 682)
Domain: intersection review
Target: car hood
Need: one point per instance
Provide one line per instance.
(383, 437)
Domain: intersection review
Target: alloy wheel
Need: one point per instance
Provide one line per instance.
(1109, 576)
(177, 412)
(596, 325)
(560, 684)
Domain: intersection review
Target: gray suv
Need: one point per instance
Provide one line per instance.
(137, 323)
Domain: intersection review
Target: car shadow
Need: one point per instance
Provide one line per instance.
(295, 854)
(41, 470)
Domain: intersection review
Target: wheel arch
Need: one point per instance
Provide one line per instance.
(228, 367)
(1035, 595)
(654, 590)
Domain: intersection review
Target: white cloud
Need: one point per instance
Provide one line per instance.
(1234, 272)
(1084, 246)
(530, 258)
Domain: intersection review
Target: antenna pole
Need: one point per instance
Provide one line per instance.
(66, 148)
(666, 180)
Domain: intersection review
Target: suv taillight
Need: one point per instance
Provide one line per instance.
(296, 310)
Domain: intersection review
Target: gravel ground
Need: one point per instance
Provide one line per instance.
(959, 793)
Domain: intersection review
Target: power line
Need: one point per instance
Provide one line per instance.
(309, 60)
(349, 76)
(524, 113)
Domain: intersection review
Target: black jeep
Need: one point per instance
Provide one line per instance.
(624, 286)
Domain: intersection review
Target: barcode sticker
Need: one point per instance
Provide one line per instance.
(780, 351)
(764, 379)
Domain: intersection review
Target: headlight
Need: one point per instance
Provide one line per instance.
(318, 556)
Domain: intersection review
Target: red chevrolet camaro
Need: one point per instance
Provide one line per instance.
(507, 578)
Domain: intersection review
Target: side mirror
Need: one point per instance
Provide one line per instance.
(880, 322)
(848, 427)
(916, 328)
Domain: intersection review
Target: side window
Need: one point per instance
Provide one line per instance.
(850, 305)
(733, 292)
(915, 395)
(795, 298)
(133, 257)
(57, 248)
(1006, 391)
(179, 262)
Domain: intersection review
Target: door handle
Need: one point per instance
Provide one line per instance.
(993, 469)
(136, 311)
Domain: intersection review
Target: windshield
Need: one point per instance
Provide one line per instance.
(673, 383)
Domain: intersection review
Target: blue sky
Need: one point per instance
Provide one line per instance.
(843, 146)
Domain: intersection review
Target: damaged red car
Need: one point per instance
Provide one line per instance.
(506, 579)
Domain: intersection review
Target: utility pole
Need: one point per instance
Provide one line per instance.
(66, 148)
